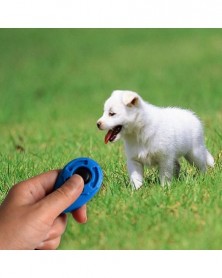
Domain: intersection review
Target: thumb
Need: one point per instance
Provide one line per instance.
(56, 202)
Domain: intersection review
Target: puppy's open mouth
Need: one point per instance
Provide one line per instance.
(112, 133)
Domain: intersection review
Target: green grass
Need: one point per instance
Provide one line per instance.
(53, 84)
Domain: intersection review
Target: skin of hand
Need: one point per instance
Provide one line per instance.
(31, 215)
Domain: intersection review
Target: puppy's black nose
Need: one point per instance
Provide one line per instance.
(98, 124)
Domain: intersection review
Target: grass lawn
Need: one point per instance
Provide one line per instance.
(53, 84)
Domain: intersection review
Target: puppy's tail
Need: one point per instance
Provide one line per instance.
(210, 160)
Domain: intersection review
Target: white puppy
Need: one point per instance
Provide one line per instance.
(154, 136)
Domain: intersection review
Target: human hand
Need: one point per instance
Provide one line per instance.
(30, 215)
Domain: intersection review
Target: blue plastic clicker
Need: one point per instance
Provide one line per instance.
(92, 175)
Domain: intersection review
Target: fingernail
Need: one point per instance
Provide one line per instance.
(77, 179)
(75, 182)
(85, 220)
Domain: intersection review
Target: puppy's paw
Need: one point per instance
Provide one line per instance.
(165, 184)
(136, 184)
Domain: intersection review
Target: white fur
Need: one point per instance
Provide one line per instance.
(155, 136)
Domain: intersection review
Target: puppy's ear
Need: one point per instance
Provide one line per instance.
(130, 99)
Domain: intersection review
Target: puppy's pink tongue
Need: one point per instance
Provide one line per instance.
(107, 137)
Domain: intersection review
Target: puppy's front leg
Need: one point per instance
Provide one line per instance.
(166, 170)
(135, 170)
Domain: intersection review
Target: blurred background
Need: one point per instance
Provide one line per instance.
(61, 71)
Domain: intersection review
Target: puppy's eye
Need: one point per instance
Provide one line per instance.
(112, 114)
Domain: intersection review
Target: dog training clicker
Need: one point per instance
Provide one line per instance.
(92, 175)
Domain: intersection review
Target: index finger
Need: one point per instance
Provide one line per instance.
(80, 215)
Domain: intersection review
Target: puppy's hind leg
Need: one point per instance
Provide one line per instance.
(135, 170)
(198, 158)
